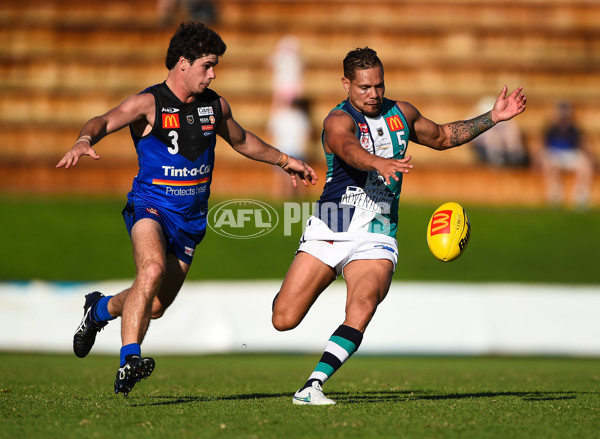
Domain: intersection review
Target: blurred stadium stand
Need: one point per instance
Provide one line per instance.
(64, 61)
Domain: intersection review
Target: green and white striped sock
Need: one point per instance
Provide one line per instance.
(342, 344)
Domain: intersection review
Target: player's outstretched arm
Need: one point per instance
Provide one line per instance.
(82, 146)
(135, 109)
(251, 146)
(297, 170)
(428, 133)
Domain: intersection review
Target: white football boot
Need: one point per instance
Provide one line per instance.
(312, 396)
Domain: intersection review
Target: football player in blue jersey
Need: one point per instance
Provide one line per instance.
(353, 229)
(173, 126)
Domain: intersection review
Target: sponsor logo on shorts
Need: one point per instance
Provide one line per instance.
(152, 210)
(189, 251)
(385, 247)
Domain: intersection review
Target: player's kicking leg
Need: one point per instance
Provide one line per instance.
(305, 280)
(367, 284)
(311, 395)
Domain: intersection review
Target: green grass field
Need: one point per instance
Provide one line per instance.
(85, 239)
(249, 396)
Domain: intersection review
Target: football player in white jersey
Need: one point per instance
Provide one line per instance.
(353, 228)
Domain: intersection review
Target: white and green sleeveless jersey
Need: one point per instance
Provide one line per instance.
(359, 201)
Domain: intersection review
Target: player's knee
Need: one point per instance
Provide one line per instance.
(283, 321)
(153, 273)
(365, 306)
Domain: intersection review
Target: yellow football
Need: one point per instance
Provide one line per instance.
(448, 231)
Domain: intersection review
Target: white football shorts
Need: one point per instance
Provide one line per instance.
(338, 249)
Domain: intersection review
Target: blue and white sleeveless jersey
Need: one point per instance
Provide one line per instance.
(357, 201)
(176, 158)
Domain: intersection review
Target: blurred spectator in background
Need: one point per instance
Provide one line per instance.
(289, 123)
(197, 10)
(565, 150)
(502, 145)
(287, 67)
(290, 129)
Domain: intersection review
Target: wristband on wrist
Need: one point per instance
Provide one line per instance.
(87, 139)
(283, 160)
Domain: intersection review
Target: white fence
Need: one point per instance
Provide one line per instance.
(415, 318)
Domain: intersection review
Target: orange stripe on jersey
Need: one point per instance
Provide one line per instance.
(180, 183)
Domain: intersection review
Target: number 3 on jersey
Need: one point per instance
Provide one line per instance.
(174, 137)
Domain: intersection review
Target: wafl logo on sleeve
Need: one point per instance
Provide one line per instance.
(365, 138)
(448, 231)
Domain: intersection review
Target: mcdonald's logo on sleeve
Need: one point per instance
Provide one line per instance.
(394, 123)
(170, 120)
(440, 223)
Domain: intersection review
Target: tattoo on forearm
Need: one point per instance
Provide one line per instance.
(465, 130)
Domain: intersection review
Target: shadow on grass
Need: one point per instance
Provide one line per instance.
(151, 400)
(361, 398)
(420, 395)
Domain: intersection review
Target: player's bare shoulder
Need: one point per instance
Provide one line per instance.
(339, 120)
(142, 108)
(409, 110)
(225, 107)
(338, 128)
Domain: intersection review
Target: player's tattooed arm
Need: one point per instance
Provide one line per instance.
(466, 130)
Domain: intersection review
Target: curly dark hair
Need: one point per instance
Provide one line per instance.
(193, 40)
(360, 59)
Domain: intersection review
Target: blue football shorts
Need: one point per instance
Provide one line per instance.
(179, 242)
